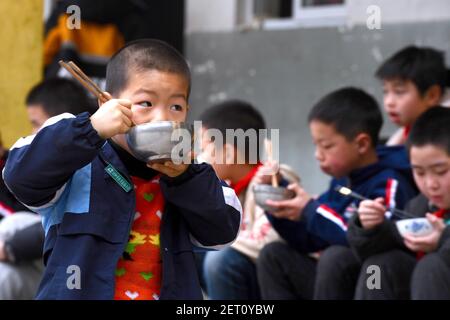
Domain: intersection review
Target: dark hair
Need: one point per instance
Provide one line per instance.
(425, 67)
(141, 55)
(234, 114)
(432, 127)
(351, 111)
(59, 95)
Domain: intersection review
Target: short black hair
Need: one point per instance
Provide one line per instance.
(351, 111)
(425, 67)
(235, 114)
(59, 95)
(432, 127)
(142, 55)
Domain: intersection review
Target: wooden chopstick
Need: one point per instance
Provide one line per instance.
(84, 80)
(270, 158)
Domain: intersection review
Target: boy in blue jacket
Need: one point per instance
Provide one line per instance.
(344, 126)
(117, 227)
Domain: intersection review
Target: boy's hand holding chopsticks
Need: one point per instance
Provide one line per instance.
(113, 117)
(266, 171)
(371, 213)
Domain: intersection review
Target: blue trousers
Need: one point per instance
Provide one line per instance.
(230, 275)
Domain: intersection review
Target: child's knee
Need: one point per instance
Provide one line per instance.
(427, 266)
(336, 257)
(270, 253)
(214, 262)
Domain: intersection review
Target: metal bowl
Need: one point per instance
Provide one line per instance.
(155, 141)
(264, 192)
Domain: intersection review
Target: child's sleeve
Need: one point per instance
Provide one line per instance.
(444, 245)
(39, 166)
(323, 221)
(296, 234)
(208, 205)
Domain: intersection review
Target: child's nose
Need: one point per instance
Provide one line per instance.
(389, 101)
(432, 183)
(319, 155)
(160, 114)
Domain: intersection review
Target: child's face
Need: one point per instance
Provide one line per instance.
(336, 155)
(431, 168)
(157, 96)
(37, 116)
(403, 101)
(215, 155)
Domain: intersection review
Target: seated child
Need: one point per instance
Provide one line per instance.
(117, 227)
(344, 126)
(23, 236)
(411, 266)
(54, 96)
(230, 274)
(414, 80)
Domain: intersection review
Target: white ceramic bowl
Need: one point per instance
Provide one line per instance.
(414, 226)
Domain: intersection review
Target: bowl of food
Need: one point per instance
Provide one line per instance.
(159, 141)
(415, 226)
(264, 192)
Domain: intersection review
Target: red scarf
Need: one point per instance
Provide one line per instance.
(242, 184)
(406, 131)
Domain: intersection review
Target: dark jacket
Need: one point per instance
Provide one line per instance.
(8, 203)
(87, 216)
(324, 220)
(386, 237)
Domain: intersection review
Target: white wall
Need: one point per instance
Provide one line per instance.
(222, 15)
(400, 11)
(210, 15)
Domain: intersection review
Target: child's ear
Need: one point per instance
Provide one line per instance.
(230, 154)
(433, 95)
(363, 142)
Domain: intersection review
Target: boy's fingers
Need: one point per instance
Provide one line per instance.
(124, 128)
(413, 240)
(273, 204)
(281, 203)
(437, 223)
(379, 200)
(127, 121)
(409, 245)
(107, 95)
(126, 111)
(125, 103)
(376, 204)
(294, 187)
(364, 204)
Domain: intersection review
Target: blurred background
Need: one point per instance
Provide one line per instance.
(280, 55)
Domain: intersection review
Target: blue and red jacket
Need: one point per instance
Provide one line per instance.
(324, 220)
(87, 216)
